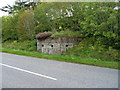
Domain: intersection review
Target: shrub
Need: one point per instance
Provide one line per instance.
(85, 49)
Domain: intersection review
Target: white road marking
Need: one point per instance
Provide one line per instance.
(23, 70)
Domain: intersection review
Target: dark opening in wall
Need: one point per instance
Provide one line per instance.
(51, 45)
(42, 45)
(66, 45)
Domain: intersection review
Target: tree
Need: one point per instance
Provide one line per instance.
(9, 30)
(19, 5)
(26, 25)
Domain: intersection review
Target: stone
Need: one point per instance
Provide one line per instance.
(57, 45)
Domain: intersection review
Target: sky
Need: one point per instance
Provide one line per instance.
(4, 3)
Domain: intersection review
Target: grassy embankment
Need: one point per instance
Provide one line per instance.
(83, 53)
(65, 58)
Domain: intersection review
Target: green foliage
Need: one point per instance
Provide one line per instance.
(27, 45)
(86, 49)
(50, 16)
(66, 33)
(41, 20)
(97, 21)
(0, 27)
(9, 28)
(26, 26)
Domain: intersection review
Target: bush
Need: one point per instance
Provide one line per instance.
(27, 45)
(88, 50)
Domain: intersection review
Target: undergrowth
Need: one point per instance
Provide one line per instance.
(87, 50)
(28, 45)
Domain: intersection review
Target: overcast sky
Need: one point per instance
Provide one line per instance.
(4, 3)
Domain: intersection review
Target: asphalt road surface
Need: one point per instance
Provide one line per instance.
(29, 72)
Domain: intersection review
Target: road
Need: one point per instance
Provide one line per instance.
(29, 72)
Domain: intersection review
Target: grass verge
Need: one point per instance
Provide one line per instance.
(88, 61)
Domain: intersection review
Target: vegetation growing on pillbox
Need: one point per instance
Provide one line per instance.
(96, 21)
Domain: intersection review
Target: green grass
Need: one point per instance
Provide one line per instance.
(28, 45)
(67, 33)
(65, 58)
(93, 52)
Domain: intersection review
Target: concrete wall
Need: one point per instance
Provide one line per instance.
(56, 45)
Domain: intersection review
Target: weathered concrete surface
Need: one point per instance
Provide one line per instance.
(57, 45)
